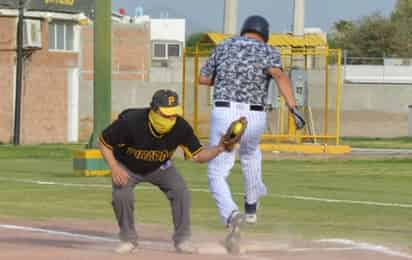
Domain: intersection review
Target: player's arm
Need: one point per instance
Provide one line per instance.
(113, 135)
(285, 89)
(284, 85)
(117, 172)
(204, 80)
(208, 71)
(119, 175)
(192, 148)
(208, 153)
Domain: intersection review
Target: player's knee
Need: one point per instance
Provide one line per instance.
(179, 191)
(249, 156)
(219, 172)
(123, 195)
(216, 180)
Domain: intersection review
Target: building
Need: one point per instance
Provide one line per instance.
(168, 39)
(57, 87)
(51, 65)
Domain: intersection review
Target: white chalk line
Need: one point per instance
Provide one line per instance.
(331, 249)
(366, 246)
(75, 235)
(351, 245)
(284, 196)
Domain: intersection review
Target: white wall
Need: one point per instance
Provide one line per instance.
(73, 105)
(378, 74)
(168, 30)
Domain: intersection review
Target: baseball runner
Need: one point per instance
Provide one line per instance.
(239, 69)
(138, 147)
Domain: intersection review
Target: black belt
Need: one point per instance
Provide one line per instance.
(251, 107)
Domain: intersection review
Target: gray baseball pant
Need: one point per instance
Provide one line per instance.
(171, 183)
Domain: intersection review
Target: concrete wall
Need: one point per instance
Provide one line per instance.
(376, 110)
(125, 94)
(390, 74)
(130, 52)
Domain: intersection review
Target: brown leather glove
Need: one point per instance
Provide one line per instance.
(234, 133)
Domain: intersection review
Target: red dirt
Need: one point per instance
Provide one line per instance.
(155, 244)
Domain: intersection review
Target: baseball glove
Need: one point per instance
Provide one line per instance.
(234, 133)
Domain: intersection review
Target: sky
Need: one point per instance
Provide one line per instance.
(207, 15)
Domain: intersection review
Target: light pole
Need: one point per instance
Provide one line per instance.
(19, 74)
(102, 83)
(230, 17)
(298, 17)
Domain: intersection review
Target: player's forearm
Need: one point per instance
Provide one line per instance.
(108, 156)
(208, 153)
(285, 89)
(203, 80)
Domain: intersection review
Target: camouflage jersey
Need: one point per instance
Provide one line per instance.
(238, 68)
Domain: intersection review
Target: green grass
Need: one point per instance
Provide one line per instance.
(387, 143)
(50, 151)
(385, 181)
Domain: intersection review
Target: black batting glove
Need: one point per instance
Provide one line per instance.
(298, 117)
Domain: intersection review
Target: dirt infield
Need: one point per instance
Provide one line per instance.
(62, 239)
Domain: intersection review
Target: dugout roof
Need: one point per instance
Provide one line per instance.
(276, 40)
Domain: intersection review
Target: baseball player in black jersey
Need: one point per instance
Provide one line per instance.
(138, 147)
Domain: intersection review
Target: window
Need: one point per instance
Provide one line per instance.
(62, 36)
(173, 50)
(164, 50)
(160, 50)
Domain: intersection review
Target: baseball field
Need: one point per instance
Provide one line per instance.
(317, 208)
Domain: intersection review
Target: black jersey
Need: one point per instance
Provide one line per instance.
(137, 146)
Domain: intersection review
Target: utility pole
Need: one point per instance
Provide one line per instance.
(19, 74)
(102, 83)
(299, 17)
(230, 17)
(297, 73)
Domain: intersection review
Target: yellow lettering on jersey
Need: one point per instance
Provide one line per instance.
(149, 155)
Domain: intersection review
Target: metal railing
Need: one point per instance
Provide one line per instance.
(322, 108)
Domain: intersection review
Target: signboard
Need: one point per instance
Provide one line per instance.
(65, 6)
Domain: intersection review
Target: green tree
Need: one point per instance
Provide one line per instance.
(402, 20)
(340, 34)
(375, 36)
(371, 36)
(402, 11)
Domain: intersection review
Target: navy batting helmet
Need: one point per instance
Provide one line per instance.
(256, 24)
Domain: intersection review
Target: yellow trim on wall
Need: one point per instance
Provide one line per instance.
(307, 148)
(88, 154)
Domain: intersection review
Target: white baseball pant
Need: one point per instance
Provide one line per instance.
(249, 154)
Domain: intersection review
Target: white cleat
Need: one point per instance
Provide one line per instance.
(232, 240)
(186, 247)
(126, 248)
